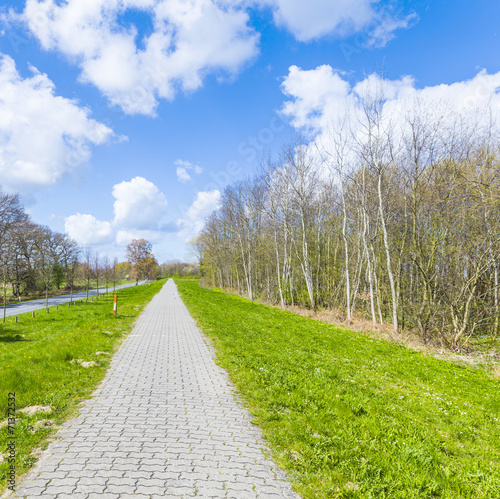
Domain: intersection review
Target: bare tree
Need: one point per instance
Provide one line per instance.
(87, 269)
(97, 268)
(114, 273)
(376, 150)
(106, 271)
(301, 174)
(44, 259)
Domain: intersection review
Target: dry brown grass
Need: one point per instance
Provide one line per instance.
(474, 357)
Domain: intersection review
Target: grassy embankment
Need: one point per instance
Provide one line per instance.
(353, 417)
(39, 362)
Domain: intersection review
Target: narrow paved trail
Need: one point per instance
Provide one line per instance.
(163, 423)
(33, 305)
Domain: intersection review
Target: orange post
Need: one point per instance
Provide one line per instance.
(115, 305)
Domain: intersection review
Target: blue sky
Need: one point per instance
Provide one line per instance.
(142, 111)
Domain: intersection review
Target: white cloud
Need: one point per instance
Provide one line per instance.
(182, 174)
(308, 20)
(314, 19)
(87, 230)
(139, 204)
(319, 97)
(190, 39)
(328, 110)
(139, 209)
(311, 93)
(42, 136)
(203, 205)
(117, 233)
(182, 170)
(194, 218)
(182, 162)
(382, 28)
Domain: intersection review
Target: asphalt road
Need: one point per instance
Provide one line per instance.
(30, 306)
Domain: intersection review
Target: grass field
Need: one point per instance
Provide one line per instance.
(353, 417)
(39, 363)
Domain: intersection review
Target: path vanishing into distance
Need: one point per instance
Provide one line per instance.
(33, 305)
(163, 423)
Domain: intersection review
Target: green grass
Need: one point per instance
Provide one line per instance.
(353, 417)
(36, 362)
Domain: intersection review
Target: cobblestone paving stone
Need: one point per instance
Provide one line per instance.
(163, 423)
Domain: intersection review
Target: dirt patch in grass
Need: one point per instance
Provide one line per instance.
(475, 355)
(29, 411)
(85, 364)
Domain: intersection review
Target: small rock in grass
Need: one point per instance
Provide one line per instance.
(108, 332)
(102, 353)
(36, 408)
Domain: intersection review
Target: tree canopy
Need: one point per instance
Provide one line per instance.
(142, 261)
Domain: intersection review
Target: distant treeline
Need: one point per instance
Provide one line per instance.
(35, 259)
(179, 269)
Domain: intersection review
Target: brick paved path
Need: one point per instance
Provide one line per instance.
(164, 423)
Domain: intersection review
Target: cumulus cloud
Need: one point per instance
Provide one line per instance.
(139, 209)
(140, 195)
(314, 19)
(139, 204)
(311, 93)
(190, 39)
(42, 136)
(329, 111)
(87, 230)
(205, 203)
(182, 170)
(318, 98)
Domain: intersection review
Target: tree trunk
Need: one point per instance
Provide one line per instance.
(388, 256)
(346, 249)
